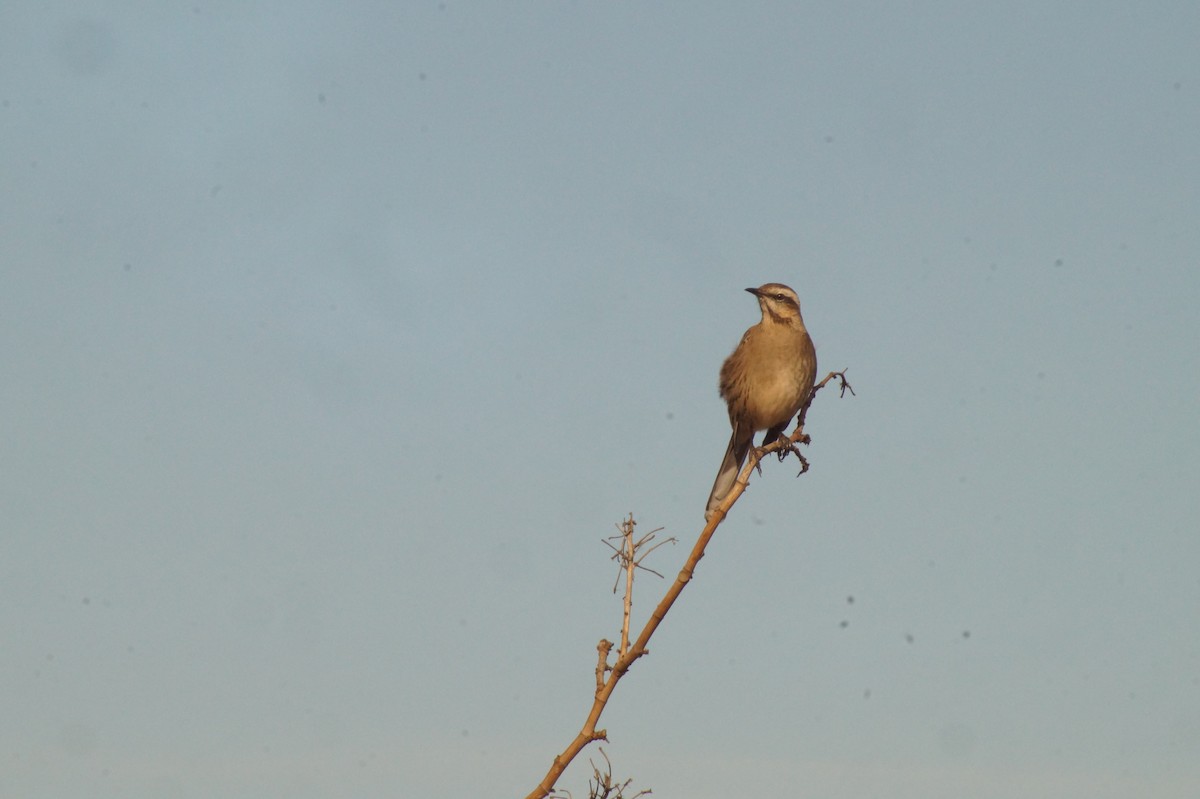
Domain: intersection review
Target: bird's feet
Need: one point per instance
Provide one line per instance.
(788, 446)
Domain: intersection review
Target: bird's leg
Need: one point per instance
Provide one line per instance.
(785, 444)
(758, 456)
(789, 446)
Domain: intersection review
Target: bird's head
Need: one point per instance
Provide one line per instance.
(778, 302)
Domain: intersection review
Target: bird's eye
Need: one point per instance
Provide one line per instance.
(779, 297)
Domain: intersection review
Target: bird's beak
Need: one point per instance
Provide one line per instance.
(755, 292)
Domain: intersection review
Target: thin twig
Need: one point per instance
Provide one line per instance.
(630, 565)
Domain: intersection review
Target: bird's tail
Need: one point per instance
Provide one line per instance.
(735, 456)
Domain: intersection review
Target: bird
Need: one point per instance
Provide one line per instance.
(765, 381)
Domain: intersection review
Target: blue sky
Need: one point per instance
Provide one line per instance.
(337, 336)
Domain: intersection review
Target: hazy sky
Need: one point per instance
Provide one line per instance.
(336, 336)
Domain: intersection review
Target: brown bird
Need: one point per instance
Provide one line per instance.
(765, 381)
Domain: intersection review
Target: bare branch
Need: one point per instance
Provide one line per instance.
(627, 656)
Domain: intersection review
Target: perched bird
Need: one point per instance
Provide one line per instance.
(765, 381)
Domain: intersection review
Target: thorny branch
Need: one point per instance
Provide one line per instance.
(630, 653)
